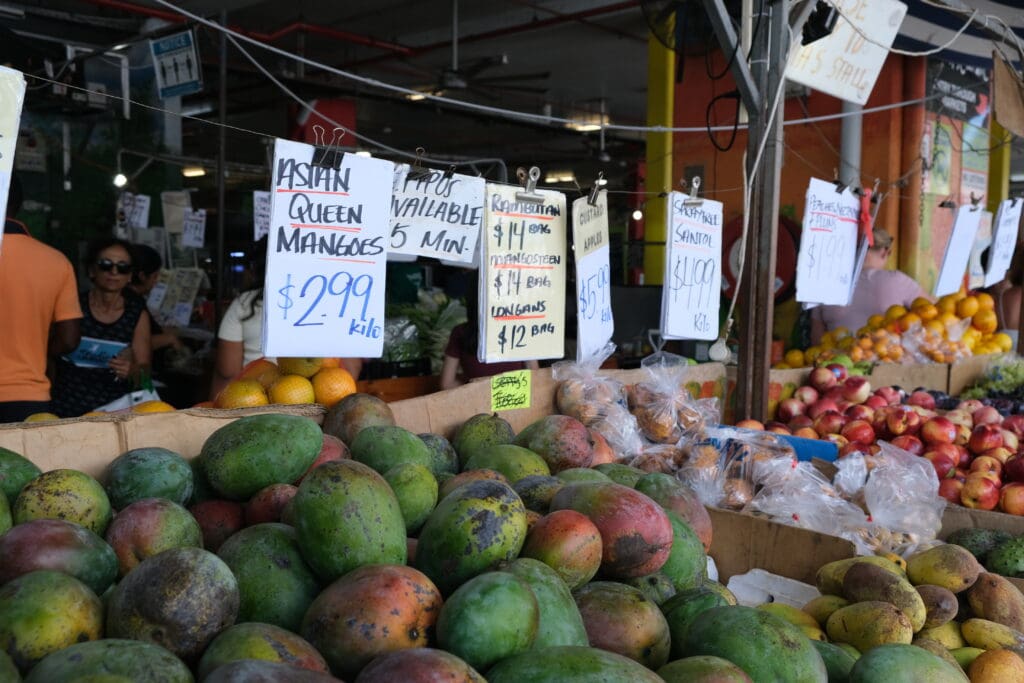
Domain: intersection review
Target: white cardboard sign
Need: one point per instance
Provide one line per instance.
(828, 245)
(324, 289)
(1004, 240)
(194, 229)
(594, 324)
(844, 64)
(136, 207)
(12, 95)
(260, 214)
(958, 250)
(691, 296)
(436, 215)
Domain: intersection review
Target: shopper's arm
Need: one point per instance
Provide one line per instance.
(230, 355)
(65, 336)
(449, 373)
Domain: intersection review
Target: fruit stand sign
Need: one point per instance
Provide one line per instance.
(844, 64)
(693, 269)
(510, 390)
(326, 255)
(1004, 240)
(194, 229)
(436, 214)
(593, 275)
(12, 95)
(522, 277)
(828, 245)
(260, 214)
(958, 250)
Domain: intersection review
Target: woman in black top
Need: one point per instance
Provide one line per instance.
(108, 314)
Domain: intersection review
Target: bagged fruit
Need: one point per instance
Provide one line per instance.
(664, 409)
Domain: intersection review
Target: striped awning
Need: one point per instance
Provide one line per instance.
(927, 26)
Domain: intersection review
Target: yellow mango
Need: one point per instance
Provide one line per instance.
(822, 607)
(946, 565)
(869, 624)
(864, 582)
(948, 634)
(829, 578)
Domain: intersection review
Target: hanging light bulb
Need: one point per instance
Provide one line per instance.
(638, 214)
(120, 180)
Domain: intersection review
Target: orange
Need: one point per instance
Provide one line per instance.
(909, 320)
(205, 404)
(876, 321)
(894, 313)
(811, 354)
(794, 358)
(242, 393)
(985, 321)
(919, 302)
(1004, 341)
(303, 367)
(781, 366)
(985, 301)
(967, 307)
(153, 407)
(936, 327)
(330, 362)
(330, 385)
(292, 389)
(840, 332)
(41, 417)
(927, 312)
(948, 319)
(262, 370)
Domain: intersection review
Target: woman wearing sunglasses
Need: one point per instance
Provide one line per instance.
(115, 335)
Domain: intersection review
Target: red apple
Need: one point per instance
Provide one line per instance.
(1014, 423)
(1002, 454)
(880, 422)
(924, 413)
(1013, 468)
(858, 431)
(960, 474)
(778, 428)
(822, 405)
(1010, 440)
(860, 411)
(979, 493)
(986, 415)
(943, 464)
(960, 417)
(822, 379)
(835, 393)
(1011, 499)
(829, 422)
(806, 395)
(950, 490)
(970, 405)
(871, 449)
(856, 389)
(986, 463)
(838, 439)
(963, 434)
(850, 449)
(750, 424)
(898, 421)
(938, 430)
(909, 443)
(890, 394)
(921, 398)
(964, 456)
(991, 476)
(789, 408)
(839, 371)
(984, 437)
(875, 401)
(806, 433)
(842, 405)
(799, 422)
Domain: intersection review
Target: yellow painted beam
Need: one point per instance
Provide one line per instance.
(661, 64)
(998, 166)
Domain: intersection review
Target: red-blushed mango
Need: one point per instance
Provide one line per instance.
(150, 526)
(570, 664)
(419, 665)
(218, 520)
(371, 611)
(266, 506)
(603, 453)
(568, 542)
(64, 494)
(461, 478)
(636, 533)
(564, 442)
(253, 640)
(110, 660)
(674, 495)
(620, 619)
(262, 671)
(61, 546)
(352, 414)
(703, 669)
(332, 449)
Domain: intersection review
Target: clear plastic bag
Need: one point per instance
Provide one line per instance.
(664, 409)
(901, 494)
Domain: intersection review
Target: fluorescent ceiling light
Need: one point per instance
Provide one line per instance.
(193, 171)
(415, 97)
(587, 122)
(559, 177)
(364, 153)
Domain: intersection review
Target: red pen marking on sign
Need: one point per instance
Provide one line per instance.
(524, 215)
(518, 317)
(347, 260)
(683, 245)
(342, 228)
(337, 194)
(821, 229)
(517, 266)
(832, 215)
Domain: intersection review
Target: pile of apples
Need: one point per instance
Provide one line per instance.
(976, 452)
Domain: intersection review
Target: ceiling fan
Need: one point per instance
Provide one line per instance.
(472, 77)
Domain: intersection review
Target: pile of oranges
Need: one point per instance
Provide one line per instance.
(956, 326)
(289, 381)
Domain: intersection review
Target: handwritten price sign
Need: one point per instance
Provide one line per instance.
(194, 231)
(12, 94)
(436, 216)
(260, 214)
(693, 271)
(958, 250)
(324, 292)
(593, 276)
(522, 277)
(828, 245)
(1004, 240)
(510, 390)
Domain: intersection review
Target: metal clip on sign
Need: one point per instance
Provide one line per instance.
(417, 172)
(598, 184)
(976, 201)
(327, 154)
(948, 203)
(529, 181)
(450, 172)
(693, 199)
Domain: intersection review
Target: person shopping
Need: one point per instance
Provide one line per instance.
(115, 342)
(877, 289)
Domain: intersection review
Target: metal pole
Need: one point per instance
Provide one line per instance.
(850, 145)
(222, 146)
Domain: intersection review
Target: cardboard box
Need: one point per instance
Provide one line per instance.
(910, 376)
(958, 517)
(964, 373)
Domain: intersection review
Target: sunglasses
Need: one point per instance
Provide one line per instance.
(107, 266)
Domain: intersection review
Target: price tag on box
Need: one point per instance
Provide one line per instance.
(510, 390)
(593, 275)
(693, 269)
(828, 245)
(324, 291)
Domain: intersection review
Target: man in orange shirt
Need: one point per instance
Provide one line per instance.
(40, 314)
